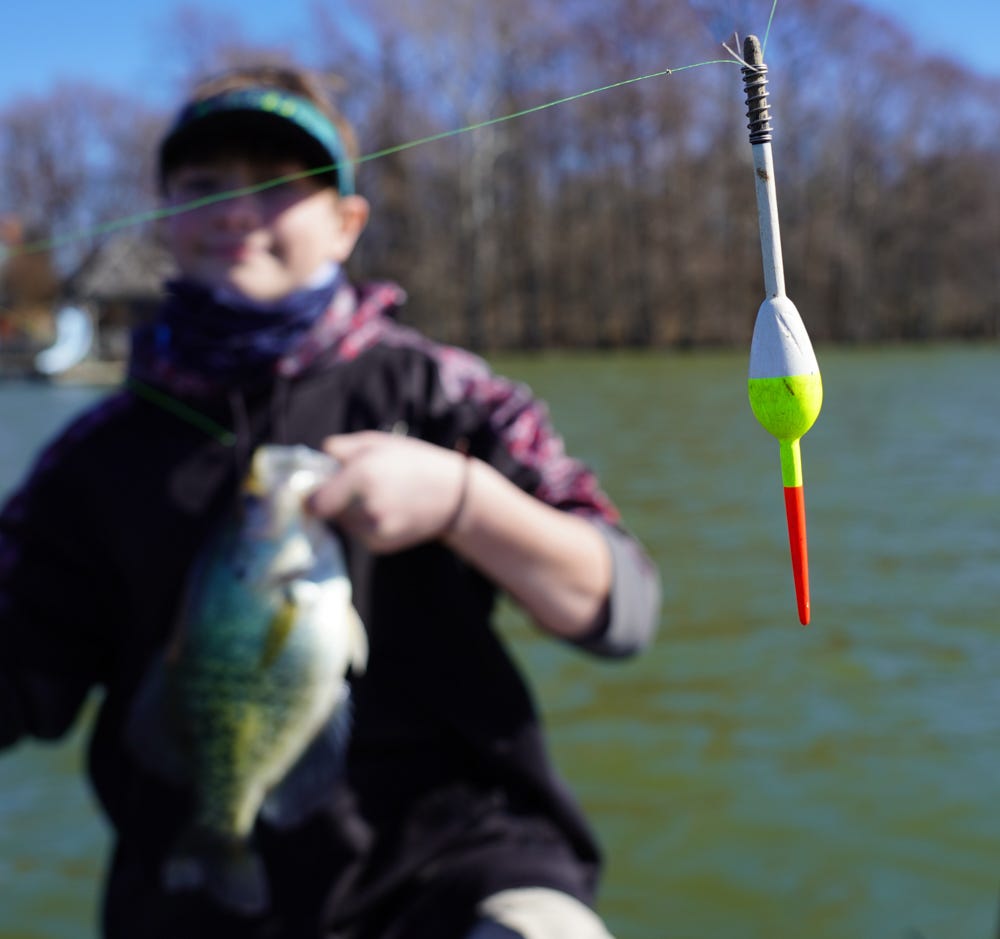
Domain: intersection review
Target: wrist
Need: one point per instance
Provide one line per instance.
(454, 518)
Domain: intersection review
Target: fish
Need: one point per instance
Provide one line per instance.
(250, 704)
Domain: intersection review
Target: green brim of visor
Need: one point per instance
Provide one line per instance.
(260, 121)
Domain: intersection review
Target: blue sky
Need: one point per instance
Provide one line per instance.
(118, 43)
(966, 30)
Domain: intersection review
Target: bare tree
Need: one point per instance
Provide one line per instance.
(625, 217)
(72, 161)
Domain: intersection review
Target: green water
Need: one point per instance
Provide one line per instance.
(748, 777)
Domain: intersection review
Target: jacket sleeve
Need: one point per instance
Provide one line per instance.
(632, 613)
(513, 432)
(50, 585)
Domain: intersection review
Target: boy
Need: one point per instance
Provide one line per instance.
(450, 822)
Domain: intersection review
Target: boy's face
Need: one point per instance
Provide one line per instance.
(265, 244)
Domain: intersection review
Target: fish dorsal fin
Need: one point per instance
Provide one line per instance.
(150, 731)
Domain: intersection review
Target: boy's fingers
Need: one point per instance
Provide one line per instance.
(331, 498)
(345, 447)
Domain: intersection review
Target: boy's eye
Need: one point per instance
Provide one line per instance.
(270, 189)
(197, 186)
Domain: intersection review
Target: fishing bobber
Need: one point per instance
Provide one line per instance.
(786, 393)
(785, 388)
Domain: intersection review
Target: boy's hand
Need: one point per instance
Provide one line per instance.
(392, 492)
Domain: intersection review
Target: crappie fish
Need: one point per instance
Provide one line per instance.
(252, 694)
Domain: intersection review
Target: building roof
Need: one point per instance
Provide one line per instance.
(130, 265)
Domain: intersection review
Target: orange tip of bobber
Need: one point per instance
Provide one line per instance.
(795, 512)
(795, 515)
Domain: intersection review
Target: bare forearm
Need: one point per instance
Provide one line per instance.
(555, 564)
(395, 492)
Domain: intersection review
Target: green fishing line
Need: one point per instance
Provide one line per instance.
(767, 31)
(181, 410)
(154, 215)
(195, 417)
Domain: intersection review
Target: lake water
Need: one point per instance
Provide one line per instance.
(749, 777)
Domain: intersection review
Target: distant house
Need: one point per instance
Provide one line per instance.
(52, 327)
(29, 288)
(120, 283)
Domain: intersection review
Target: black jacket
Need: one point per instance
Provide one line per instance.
(450, 795)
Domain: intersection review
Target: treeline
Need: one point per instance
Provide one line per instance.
(625, 217)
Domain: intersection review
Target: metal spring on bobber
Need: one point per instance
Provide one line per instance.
(755, 83)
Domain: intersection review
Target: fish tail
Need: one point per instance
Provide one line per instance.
(224, 867)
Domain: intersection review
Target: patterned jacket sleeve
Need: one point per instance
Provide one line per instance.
(525, 446)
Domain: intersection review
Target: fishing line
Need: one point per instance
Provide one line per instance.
(767, 31)
(154, 215)
(737, 55)
(179, 409)
(192, 415)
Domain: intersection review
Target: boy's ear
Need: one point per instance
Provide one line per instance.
(353, 211)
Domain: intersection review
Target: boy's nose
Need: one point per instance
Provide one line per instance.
(240, 210)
